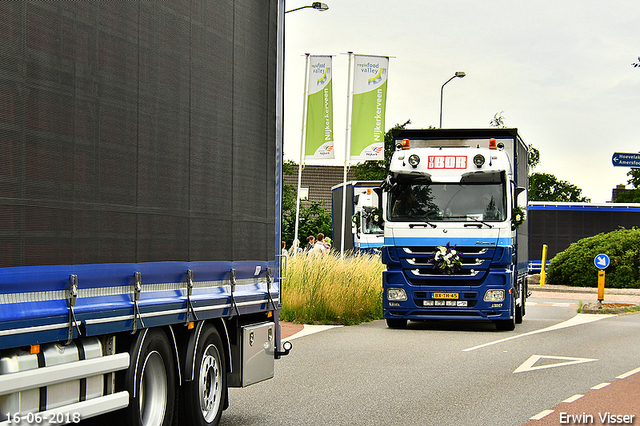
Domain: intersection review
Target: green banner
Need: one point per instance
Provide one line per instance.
(319, 124)
(368, 107)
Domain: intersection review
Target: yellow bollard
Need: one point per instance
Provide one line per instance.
(543, 272)
(600, 285)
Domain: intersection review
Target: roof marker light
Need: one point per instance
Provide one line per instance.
(405, 144)
(493, 144)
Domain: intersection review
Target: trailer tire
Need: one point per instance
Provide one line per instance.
(151, 381)
(203, 397)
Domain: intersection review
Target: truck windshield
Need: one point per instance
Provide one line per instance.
(410, 202)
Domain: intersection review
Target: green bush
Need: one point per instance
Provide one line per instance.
(575, 267)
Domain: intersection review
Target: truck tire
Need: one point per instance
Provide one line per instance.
(508, 324)
(151, 381)
(203, 397)
(396, 322)
(520, 309)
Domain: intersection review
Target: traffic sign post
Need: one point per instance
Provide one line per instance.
(600, 286)
(623, 159)
(602, 262)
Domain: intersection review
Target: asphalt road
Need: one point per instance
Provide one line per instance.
(445, 373)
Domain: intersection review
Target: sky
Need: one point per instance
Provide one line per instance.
(559, 71)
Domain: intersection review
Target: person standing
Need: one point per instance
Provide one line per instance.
(311, 240)
(319, 246)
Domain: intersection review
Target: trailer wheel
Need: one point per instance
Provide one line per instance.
(151, 381)
(203, 397)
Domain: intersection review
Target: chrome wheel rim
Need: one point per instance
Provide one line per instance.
(153, 390)
(210, 384)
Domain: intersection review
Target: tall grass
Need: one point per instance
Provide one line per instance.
(325, 289)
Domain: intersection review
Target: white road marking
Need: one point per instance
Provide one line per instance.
(541, 415)
(577, 320)
(529, 364)
(600, 386)
(573, 398)
(629, 373)
(311, 329)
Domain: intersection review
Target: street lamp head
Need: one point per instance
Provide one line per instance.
(315, 5)
(460, 74)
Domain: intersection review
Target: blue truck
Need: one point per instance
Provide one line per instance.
(455, 235)
(140, 188)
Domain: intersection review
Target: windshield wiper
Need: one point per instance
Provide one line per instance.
(477, 223)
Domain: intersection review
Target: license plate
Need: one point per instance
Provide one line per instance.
(445, 295)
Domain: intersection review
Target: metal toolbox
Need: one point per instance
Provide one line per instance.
(258, 342)
(57, 395)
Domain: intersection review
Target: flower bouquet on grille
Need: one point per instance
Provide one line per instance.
(446, 259)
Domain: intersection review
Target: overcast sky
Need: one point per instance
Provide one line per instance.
(559, 71)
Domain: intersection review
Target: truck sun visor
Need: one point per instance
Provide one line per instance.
(483, 177)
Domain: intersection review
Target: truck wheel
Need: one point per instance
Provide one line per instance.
(520, 309)
(203, 396)
(151, 381)
(509, 324)
(396, 322)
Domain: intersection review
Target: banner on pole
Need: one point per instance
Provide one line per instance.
(319, 133)
(368, 107)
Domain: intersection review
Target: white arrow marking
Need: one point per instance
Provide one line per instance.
(602, 261)
(529, 365)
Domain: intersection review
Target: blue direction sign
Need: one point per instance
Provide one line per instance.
(621, 159)
(602, 261)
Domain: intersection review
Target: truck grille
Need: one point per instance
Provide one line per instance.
(420, 271)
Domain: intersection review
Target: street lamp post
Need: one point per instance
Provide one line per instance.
(320, 7)
(458, 74)
(315, 5)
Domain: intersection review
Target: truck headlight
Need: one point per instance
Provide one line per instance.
(494, 296)
(396, 294)
(478, 160)
(414, 160)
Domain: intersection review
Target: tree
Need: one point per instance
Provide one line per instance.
(633, 195)
(378, 169)
(533, 155)
(547, 187)
(313, 219)
(634, 178)
(498, 120)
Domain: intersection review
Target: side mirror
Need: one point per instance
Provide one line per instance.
(522, 197)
